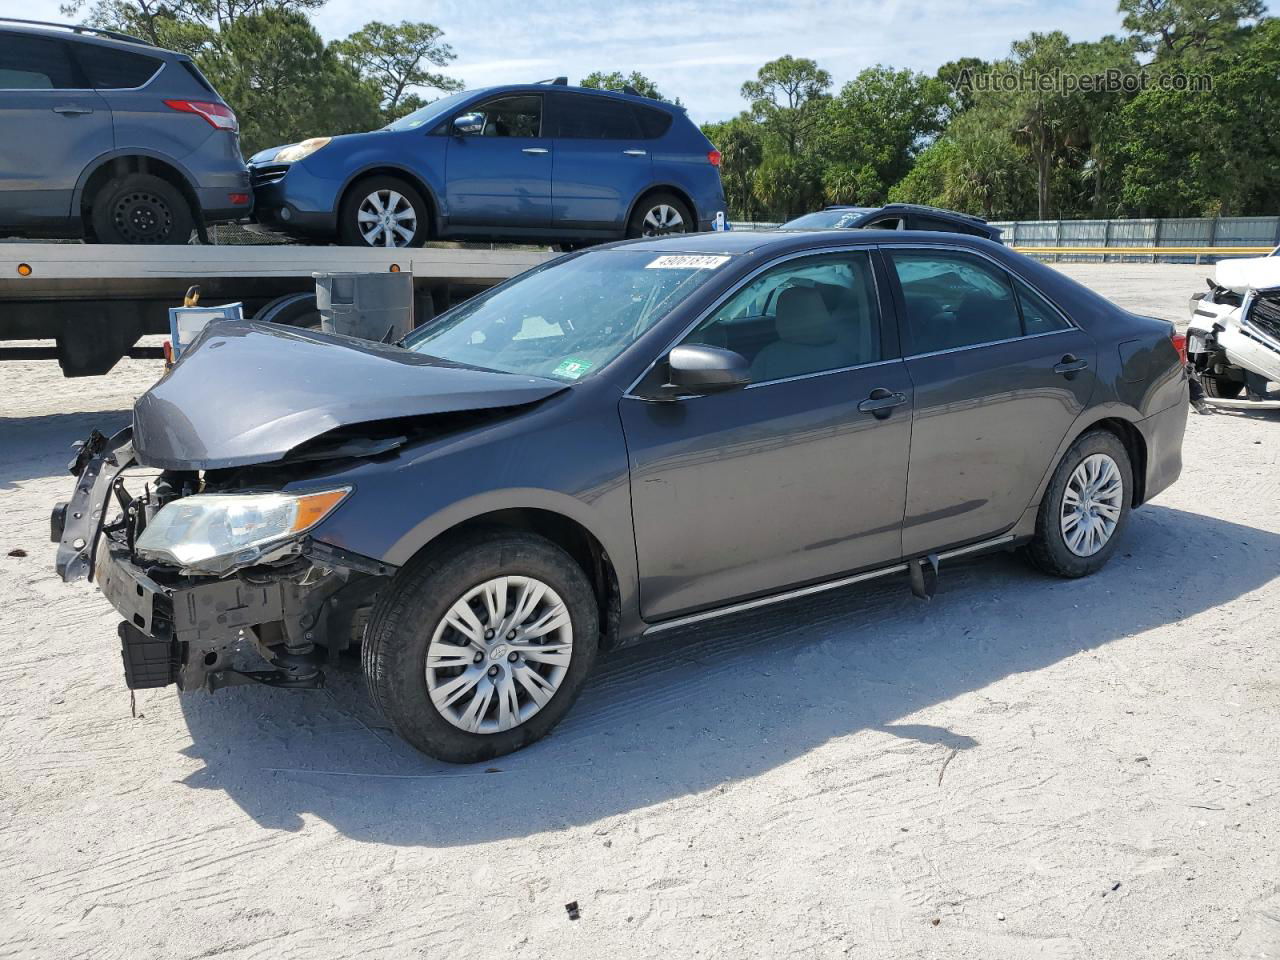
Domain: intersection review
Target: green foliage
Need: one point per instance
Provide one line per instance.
(741, 147)
(1173, 28)
(395, 58)
(286, 85)
(599, 80)
(788, 99)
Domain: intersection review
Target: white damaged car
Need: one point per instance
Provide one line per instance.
(1233, 340)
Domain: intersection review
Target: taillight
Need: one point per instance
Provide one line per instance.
(713, 158)
(1179, 341)
(218, 115)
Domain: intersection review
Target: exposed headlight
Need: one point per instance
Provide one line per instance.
(218, 532)
(300, 151)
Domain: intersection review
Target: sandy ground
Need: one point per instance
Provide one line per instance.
(1024, 767)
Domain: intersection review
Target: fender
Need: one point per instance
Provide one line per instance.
(621, 551)
(103, 159)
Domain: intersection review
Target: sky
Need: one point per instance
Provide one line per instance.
(702, 50)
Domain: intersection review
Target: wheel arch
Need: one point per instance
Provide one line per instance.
(679, 192)
(126, 161)
(566, 532)
(392, 170)
(1126, 431)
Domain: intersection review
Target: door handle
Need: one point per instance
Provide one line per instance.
(535, 150)
(635, 153)
(71, 110)
(1070, 366)
(881, 402)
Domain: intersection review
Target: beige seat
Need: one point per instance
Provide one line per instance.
(809, 339)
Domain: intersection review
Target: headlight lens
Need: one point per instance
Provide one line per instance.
(300, 151)
(218, 532)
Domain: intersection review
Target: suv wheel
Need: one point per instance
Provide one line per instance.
(1085, 509)
(1221, 388)
(479, 649)
(660, 214)
(141, 208)
(383, 212)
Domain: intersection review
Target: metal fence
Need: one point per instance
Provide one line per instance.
(1185, 237)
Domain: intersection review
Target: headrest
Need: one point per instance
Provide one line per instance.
(803, 317)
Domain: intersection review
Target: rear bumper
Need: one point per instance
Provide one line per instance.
(1163, 433)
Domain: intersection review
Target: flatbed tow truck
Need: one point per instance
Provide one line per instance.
(96, 301)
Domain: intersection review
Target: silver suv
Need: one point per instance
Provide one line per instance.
(112, 139)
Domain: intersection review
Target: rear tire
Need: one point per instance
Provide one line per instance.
(361, 220)
(140, 208)
(659, 215)
(1083, 487)
(415, 658)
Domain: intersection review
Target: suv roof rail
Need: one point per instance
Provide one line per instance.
(555, 81)
(79, 28)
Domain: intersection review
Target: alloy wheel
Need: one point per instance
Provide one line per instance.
(662, 219)
(499, 654)
(1091, 505)
(387, 219)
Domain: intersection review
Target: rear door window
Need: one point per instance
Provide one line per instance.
(1038, 315)
(35, 63)
(954, 300)
(596, 118)
(653, 123)
(111, 69)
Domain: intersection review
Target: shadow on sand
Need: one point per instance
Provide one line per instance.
(685, 714)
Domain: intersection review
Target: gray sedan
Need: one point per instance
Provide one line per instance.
(630, 439)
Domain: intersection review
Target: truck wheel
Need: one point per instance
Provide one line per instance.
(1221, 388)
(383, 212)
(1085, 509)
(141, 208)
(291, 310)
(658, 215)
(479, 648)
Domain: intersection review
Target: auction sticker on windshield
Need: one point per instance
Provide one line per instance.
(571, 368)
(686, 261)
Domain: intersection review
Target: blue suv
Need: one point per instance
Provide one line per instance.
(537, 163)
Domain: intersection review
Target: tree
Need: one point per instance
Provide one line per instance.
(741, 151)
(599, 80)
(787, 99)
(787, 185)
(874, 128)
(186, 25)
(1191, 153)
(286, 85)
(959, 75)
(396, 57)
(1171, 28)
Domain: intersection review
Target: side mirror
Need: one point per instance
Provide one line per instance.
(468, 123)
(697, 369)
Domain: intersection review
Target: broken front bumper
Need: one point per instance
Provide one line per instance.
(190, 630)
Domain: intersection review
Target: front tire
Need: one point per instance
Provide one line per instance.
(1086, 508)
(1221, 388)
(481, 646)
(141, 209)
(383, 212)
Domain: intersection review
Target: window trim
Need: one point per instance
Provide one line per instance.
(904, 325)
(867, 248)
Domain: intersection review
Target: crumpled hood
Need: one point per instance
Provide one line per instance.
(249, 393)
(1257, 273)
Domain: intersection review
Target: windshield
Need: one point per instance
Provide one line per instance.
(566, 320)
(824, 219)
(429, 114)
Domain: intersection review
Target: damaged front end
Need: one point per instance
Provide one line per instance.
(225, 576)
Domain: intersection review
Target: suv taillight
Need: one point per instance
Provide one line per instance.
(218, 115)
(1179, 341)
(713, 158)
